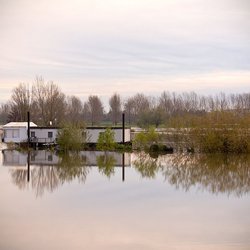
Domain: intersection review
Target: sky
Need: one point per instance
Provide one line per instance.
(99, 47)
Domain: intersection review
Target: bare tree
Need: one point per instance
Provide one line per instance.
(4, 113)
(128, 107)
(211, 103)
(86, 112)
(49, 102)
(221, 102)
(20, 103)
(137, 106)
(115, 108)
(95, 109)
(203, 103)
(166, 103)
(74, 110)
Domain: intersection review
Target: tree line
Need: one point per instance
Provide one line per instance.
(50, 106)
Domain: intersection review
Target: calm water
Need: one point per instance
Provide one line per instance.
(112, 201)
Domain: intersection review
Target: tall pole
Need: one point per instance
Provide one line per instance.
(123, 127)
(28, 129)
(123, 167)
(28, 171)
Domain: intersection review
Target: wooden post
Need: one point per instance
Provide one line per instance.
(28, 171)
(123, 127)
(28, 129)
(123, 167)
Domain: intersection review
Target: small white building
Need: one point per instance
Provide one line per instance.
(43, 134)
(92, 134)
(16, 131)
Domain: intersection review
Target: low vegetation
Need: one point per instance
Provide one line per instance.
(106, 140)
(146, 139)
(224, 132)
(70, 137)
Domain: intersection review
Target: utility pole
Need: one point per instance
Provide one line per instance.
(28, 129)
(123, 127)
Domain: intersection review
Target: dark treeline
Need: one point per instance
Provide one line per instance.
(49, 105)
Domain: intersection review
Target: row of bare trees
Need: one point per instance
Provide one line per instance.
(143, 110)
(49, 105)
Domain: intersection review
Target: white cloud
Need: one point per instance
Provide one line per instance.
(125, 44)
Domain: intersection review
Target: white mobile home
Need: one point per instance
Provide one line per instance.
(16, 131)
(92, 134)
(43, 134)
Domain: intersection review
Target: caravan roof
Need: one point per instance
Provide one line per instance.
(19, 125)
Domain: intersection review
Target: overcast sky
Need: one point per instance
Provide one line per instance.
(126, 46)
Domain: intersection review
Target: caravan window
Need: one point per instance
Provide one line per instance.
(32, 133)
(50, 134)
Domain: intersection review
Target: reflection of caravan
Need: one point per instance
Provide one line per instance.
(92, 156)
(15, 158)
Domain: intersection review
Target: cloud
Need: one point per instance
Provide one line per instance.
(124, 43)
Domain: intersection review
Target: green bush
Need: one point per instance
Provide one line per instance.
(221, 140)
(106, 140)
(70, 137)
(144, 140)
(218, 131)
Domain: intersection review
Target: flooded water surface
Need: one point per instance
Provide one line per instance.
(104, 200)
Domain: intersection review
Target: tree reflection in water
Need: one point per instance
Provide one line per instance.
(106, 164)
(44, 178)
(19, 178)
(47, 178)
(216, 173)
(73, 166)
(146, 165)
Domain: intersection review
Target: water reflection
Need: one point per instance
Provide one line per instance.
(48, 170)
(146, 165)
(228, 174)
(106, 164)
(215, 173)
(72, 166)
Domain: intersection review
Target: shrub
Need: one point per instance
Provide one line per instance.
(70, 137)
(144, 140)
(106, 140)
